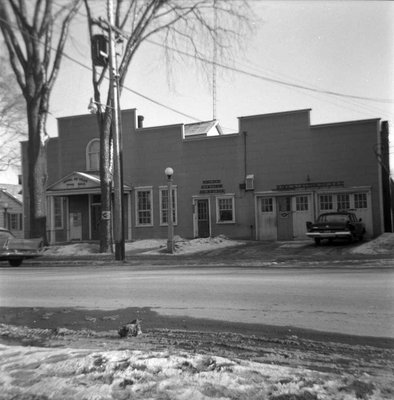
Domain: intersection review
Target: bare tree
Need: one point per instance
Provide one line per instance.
(12, 116)
(197, 27)
(35, 52)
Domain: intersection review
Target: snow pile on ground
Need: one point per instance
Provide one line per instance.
(383, 244)
(184, 246)
(147, 246)
(54, 373)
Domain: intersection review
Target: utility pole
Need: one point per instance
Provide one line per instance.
(117, 141)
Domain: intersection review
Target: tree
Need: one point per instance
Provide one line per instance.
(188, 26)
(12, 117)
(35, 52)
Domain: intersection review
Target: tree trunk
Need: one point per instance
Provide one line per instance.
(37, 177)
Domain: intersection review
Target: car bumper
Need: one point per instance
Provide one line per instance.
(9, 255)
(329, 235)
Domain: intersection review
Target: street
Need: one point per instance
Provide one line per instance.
(357, 301)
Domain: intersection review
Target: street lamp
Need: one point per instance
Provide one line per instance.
(170, 241)
(5, 206)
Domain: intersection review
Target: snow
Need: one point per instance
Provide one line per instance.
(383, 244)
(147, 246)
(64, 373)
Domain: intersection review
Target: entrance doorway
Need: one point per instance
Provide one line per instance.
(95, 217)
(203, 228)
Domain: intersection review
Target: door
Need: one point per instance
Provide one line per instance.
(285, 218)
(267, 220)
(75, 226)
(95, 216)
(203, 218)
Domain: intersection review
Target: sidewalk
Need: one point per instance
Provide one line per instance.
(222, 251)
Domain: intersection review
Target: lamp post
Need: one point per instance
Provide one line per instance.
(170, 241)
(5, 205)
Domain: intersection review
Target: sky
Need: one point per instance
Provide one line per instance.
(338, 46)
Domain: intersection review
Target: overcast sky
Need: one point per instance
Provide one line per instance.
(338, 46)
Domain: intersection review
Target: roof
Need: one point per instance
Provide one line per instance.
(202, 128)
(13, 191)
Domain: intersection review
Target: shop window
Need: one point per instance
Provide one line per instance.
(325, 202)
(225, 209)
(360, 200)
(93, 155)
(267, 205)
(143, 202)
(301, 203)
(14, 221)
(164, 206)
(343, 201)
(58, 212)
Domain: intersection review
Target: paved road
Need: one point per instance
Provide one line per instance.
(344, 300)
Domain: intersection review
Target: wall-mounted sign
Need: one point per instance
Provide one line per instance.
(210, 186)
(106, 215)
(75, 182)
(310, 185)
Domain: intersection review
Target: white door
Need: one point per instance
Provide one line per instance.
(303, 212)
(267, 221)
(76, 226)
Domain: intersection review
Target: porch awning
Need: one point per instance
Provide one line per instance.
(77, 183)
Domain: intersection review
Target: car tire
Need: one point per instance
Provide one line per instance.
(16, 262)
(317, 241)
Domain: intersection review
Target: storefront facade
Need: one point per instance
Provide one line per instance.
(263, 182)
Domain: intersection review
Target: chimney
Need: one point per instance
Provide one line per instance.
(140, 119)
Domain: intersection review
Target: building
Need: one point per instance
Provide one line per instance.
(11, 209)
(263, 182)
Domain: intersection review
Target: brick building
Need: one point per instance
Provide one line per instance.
(263, 182)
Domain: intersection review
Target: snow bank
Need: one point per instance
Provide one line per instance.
(148, 246)
(383, 244)
(54, 373)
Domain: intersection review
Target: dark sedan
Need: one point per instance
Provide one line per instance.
(15, 250)
(336, 225)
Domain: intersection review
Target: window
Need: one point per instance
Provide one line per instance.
(325, 202)
(225, 209)
(301, 203)
(93, 155)
(360, 200)
(143, 202)
(343, 201)
(164, 206)
(14, 221)
(266, 205)
(58, 212)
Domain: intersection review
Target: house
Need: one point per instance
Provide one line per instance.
(263, 182)
(11, 208)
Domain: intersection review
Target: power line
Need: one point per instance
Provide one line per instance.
(265, 78)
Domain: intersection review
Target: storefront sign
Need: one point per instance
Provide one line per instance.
(310, 185)
(75, 182)
(211, 186)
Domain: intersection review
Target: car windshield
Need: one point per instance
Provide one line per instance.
(341, 218)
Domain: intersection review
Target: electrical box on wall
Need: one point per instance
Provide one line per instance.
(249, 182)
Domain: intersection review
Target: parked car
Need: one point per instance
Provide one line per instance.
(336, 225)
(16, 250)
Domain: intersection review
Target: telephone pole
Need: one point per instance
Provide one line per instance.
(117, 141)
